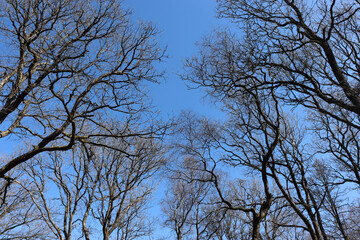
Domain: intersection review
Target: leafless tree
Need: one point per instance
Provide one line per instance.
(67, 70)
(291, 57)
(185, 201)
(18, 214)
(202, 146)
(304, 200)
(68, 64)
(305, 49)
(96, 192)
(126, 182)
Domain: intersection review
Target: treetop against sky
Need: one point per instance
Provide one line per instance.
(87, 149)
(182, 24)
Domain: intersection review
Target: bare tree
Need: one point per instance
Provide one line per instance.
(67, 70)
(305, 49)
(96, 192)
(202, 145)
(68, 64)
(289, 57)
(126, 182)
(303, 202)
(19, 216)
(185, 201)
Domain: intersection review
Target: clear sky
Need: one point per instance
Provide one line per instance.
(183, 23)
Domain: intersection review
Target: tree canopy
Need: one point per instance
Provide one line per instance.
(283, 164)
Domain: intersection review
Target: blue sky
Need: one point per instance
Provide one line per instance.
(183, 23)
